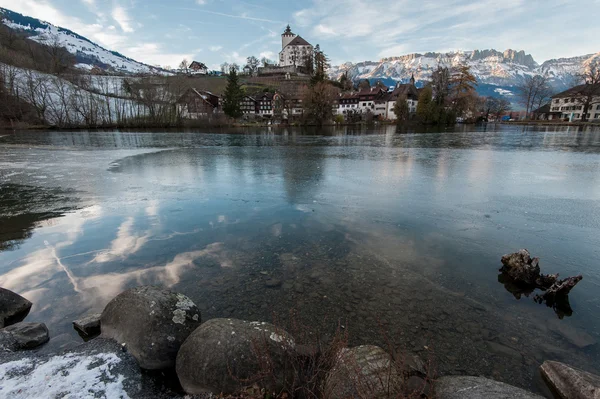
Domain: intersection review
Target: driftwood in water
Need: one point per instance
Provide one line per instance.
(521, 276)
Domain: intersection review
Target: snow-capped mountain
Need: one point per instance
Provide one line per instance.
(87, 53)
(496, 71)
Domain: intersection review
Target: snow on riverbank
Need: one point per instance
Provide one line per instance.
(66, 376)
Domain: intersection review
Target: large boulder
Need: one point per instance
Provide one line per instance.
(225, 355)
(152, 323)
(478, 388)
(570, 383)
(363, 372)
(26, 335)
(13, 307)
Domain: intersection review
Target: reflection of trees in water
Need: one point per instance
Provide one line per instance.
(23, 207)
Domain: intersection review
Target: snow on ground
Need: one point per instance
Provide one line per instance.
(67, 104)
(63, 376)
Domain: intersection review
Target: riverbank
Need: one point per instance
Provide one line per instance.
(153, 345)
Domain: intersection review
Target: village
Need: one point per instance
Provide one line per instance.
(273, 93)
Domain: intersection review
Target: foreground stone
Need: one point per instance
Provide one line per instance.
(478, 388)
(225, 355)
(365, 372)
(521, 267)
(570, 383)
(152, 323)
(26, 335)
(97, 369)
(13, 307)
(88, 325)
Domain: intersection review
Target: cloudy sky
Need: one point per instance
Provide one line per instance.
(215, 31)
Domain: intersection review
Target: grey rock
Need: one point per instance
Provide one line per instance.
(363, 371)
(478, 388)
(152, 323)
(88, 325)
(224, 355)
(13, 307)
(569, 382)
(27, 335)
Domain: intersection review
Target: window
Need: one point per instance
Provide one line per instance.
(556, 101)
(597, 116)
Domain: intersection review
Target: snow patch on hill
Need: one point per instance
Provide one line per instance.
(88, 54)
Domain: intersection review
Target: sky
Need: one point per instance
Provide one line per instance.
(216, 31)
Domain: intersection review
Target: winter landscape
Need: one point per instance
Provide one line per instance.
(224, 199)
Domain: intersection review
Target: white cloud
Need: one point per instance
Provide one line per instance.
(155, 54)
(119, 14)
(215, 48)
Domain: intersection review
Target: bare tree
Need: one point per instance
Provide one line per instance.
(184, 66)
(252, 63)
(532, 91)
(589, 92)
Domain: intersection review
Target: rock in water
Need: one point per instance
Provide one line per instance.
(13, 307)
(363, 372)
(27, 335)
(478, 388)
(88, 325)
(225, 355)
(570, 383)
(152, 323)
(521, 267)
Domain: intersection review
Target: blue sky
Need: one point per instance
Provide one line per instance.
(216, 31)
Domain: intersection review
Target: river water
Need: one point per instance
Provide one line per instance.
(395, 235)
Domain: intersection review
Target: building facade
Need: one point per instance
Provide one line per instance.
(295, 51)
(569, 104)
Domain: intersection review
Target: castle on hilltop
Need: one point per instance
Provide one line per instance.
(295, 51)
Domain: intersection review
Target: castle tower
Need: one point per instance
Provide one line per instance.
(287, 37)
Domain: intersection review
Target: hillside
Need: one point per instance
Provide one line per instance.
(87, 53)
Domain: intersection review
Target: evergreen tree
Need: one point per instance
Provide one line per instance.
(424, 107)
(401, 109)
(321, 65)
(233, 96)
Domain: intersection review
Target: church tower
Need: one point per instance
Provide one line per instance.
(287, 37)
(412, 79)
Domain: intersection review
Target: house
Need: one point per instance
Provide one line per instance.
(198, 68)
(348, 103)
(265, 105)
(195, 104)
(543, 113)
(249, 105)
(295, 51)
(368, 96)
(569, 104)
(409, 91)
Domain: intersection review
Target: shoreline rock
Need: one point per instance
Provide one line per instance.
(152, 323)
(569, 382)
(23, 336)
(88, 326)
(462, 387)
(13, 308)
(226, 355)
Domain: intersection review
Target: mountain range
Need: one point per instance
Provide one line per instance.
(497, 72)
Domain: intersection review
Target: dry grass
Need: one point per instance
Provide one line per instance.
(391, 376)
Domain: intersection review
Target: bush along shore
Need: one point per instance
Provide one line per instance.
(150, 342)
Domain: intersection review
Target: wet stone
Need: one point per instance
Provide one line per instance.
(13, 307)
(27, 335)
(88, 325)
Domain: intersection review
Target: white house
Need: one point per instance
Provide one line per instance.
(294, 49)
(569, 104)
